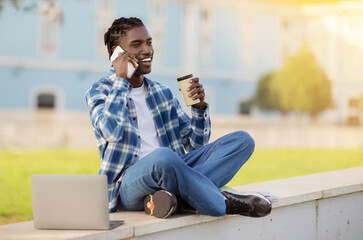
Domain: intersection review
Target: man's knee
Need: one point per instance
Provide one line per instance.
(245, 139)
(165, 158)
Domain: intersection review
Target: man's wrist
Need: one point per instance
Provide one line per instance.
(200, 114)
(200, 106)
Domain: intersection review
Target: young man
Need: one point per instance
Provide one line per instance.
(142, 132)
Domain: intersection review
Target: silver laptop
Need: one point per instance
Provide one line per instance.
(71, 202)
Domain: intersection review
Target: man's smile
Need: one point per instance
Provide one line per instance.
(146, 61)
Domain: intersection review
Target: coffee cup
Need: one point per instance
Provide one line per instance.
(184, 84)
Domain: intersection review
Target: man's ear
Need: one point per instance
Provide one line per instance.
(113, 48)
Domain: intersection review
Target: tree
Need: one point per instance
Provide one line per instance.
(300, 85)
(265, 98)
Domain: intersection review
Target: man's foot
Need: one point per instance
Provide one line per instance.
(251, 205)
(161, 204)
(267, 195)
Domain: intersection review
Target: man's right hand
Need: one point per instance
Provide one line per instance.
(121, 62)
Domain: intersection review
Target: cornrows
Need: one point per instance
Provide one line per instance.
(118, 29)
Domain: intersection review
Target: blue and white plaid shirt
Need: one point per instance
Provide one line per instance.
(114, 123)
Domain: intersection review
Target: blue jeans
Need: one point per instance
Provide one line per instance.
(195, 176)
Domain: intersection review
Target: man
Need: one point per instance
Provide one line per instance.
(142, 132)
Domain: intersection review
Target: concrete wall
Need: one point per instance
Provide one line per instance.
(321, 206)
(333, 218)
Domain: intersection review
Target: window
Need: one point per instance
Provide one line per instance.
(47, 98)
(46, 101)
(247, 41)
(106, 14)
(285, 24)
(106, 6)
(355, 22)
(354, 58)
(206, 30)
(50, 18)
(157, 29)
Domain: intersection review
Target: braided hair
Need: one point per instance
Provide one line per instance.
(119, 28)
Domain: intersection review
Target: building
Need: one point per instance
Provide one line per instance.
(50, 55)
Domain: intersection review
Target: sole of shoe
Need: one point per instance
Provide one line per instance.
(161, 204)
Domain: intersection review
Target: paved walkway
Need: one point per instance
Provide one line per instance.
(73, 129)
(287, 133)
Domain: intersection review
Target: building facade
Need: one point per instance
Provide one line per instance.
(51, 54)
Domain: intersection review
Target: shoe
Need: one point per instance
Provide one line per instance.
(161, 204)
(267, 195)
(251, 205)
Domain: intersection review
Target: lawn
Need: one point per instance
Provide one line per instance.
(18, 166)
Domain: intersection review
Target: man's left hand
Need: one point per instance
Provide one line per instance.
(196, 91)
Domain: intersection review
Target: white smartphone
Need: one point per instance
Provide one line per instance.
(130, 69)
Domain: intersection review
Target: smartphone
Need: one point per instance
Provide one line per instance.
(130, 67)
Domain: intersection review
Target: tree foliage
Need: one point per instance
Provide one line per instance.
(300, 85)
(264, 97)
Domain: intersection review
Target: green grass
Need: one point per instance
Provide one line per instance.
(265, 165)
(18, 166)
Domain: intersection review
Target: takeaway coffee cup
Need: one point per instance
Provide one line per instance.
(184, 84)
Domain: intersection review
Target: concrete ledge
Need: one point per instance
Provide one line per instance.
(307, 207)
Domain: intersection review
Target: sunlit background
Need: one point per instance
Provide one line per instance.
(288, 72)
(266, 66)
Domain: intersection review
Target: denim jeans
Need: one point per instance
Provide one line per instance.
(195, 176)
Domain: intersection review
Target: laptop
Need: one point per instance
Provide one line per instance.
(71, 202)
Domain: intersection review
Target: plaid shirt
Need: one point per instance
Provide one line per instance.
(113, 117)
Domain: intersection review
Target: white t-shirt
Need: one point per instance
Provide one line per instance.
(148, 134)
